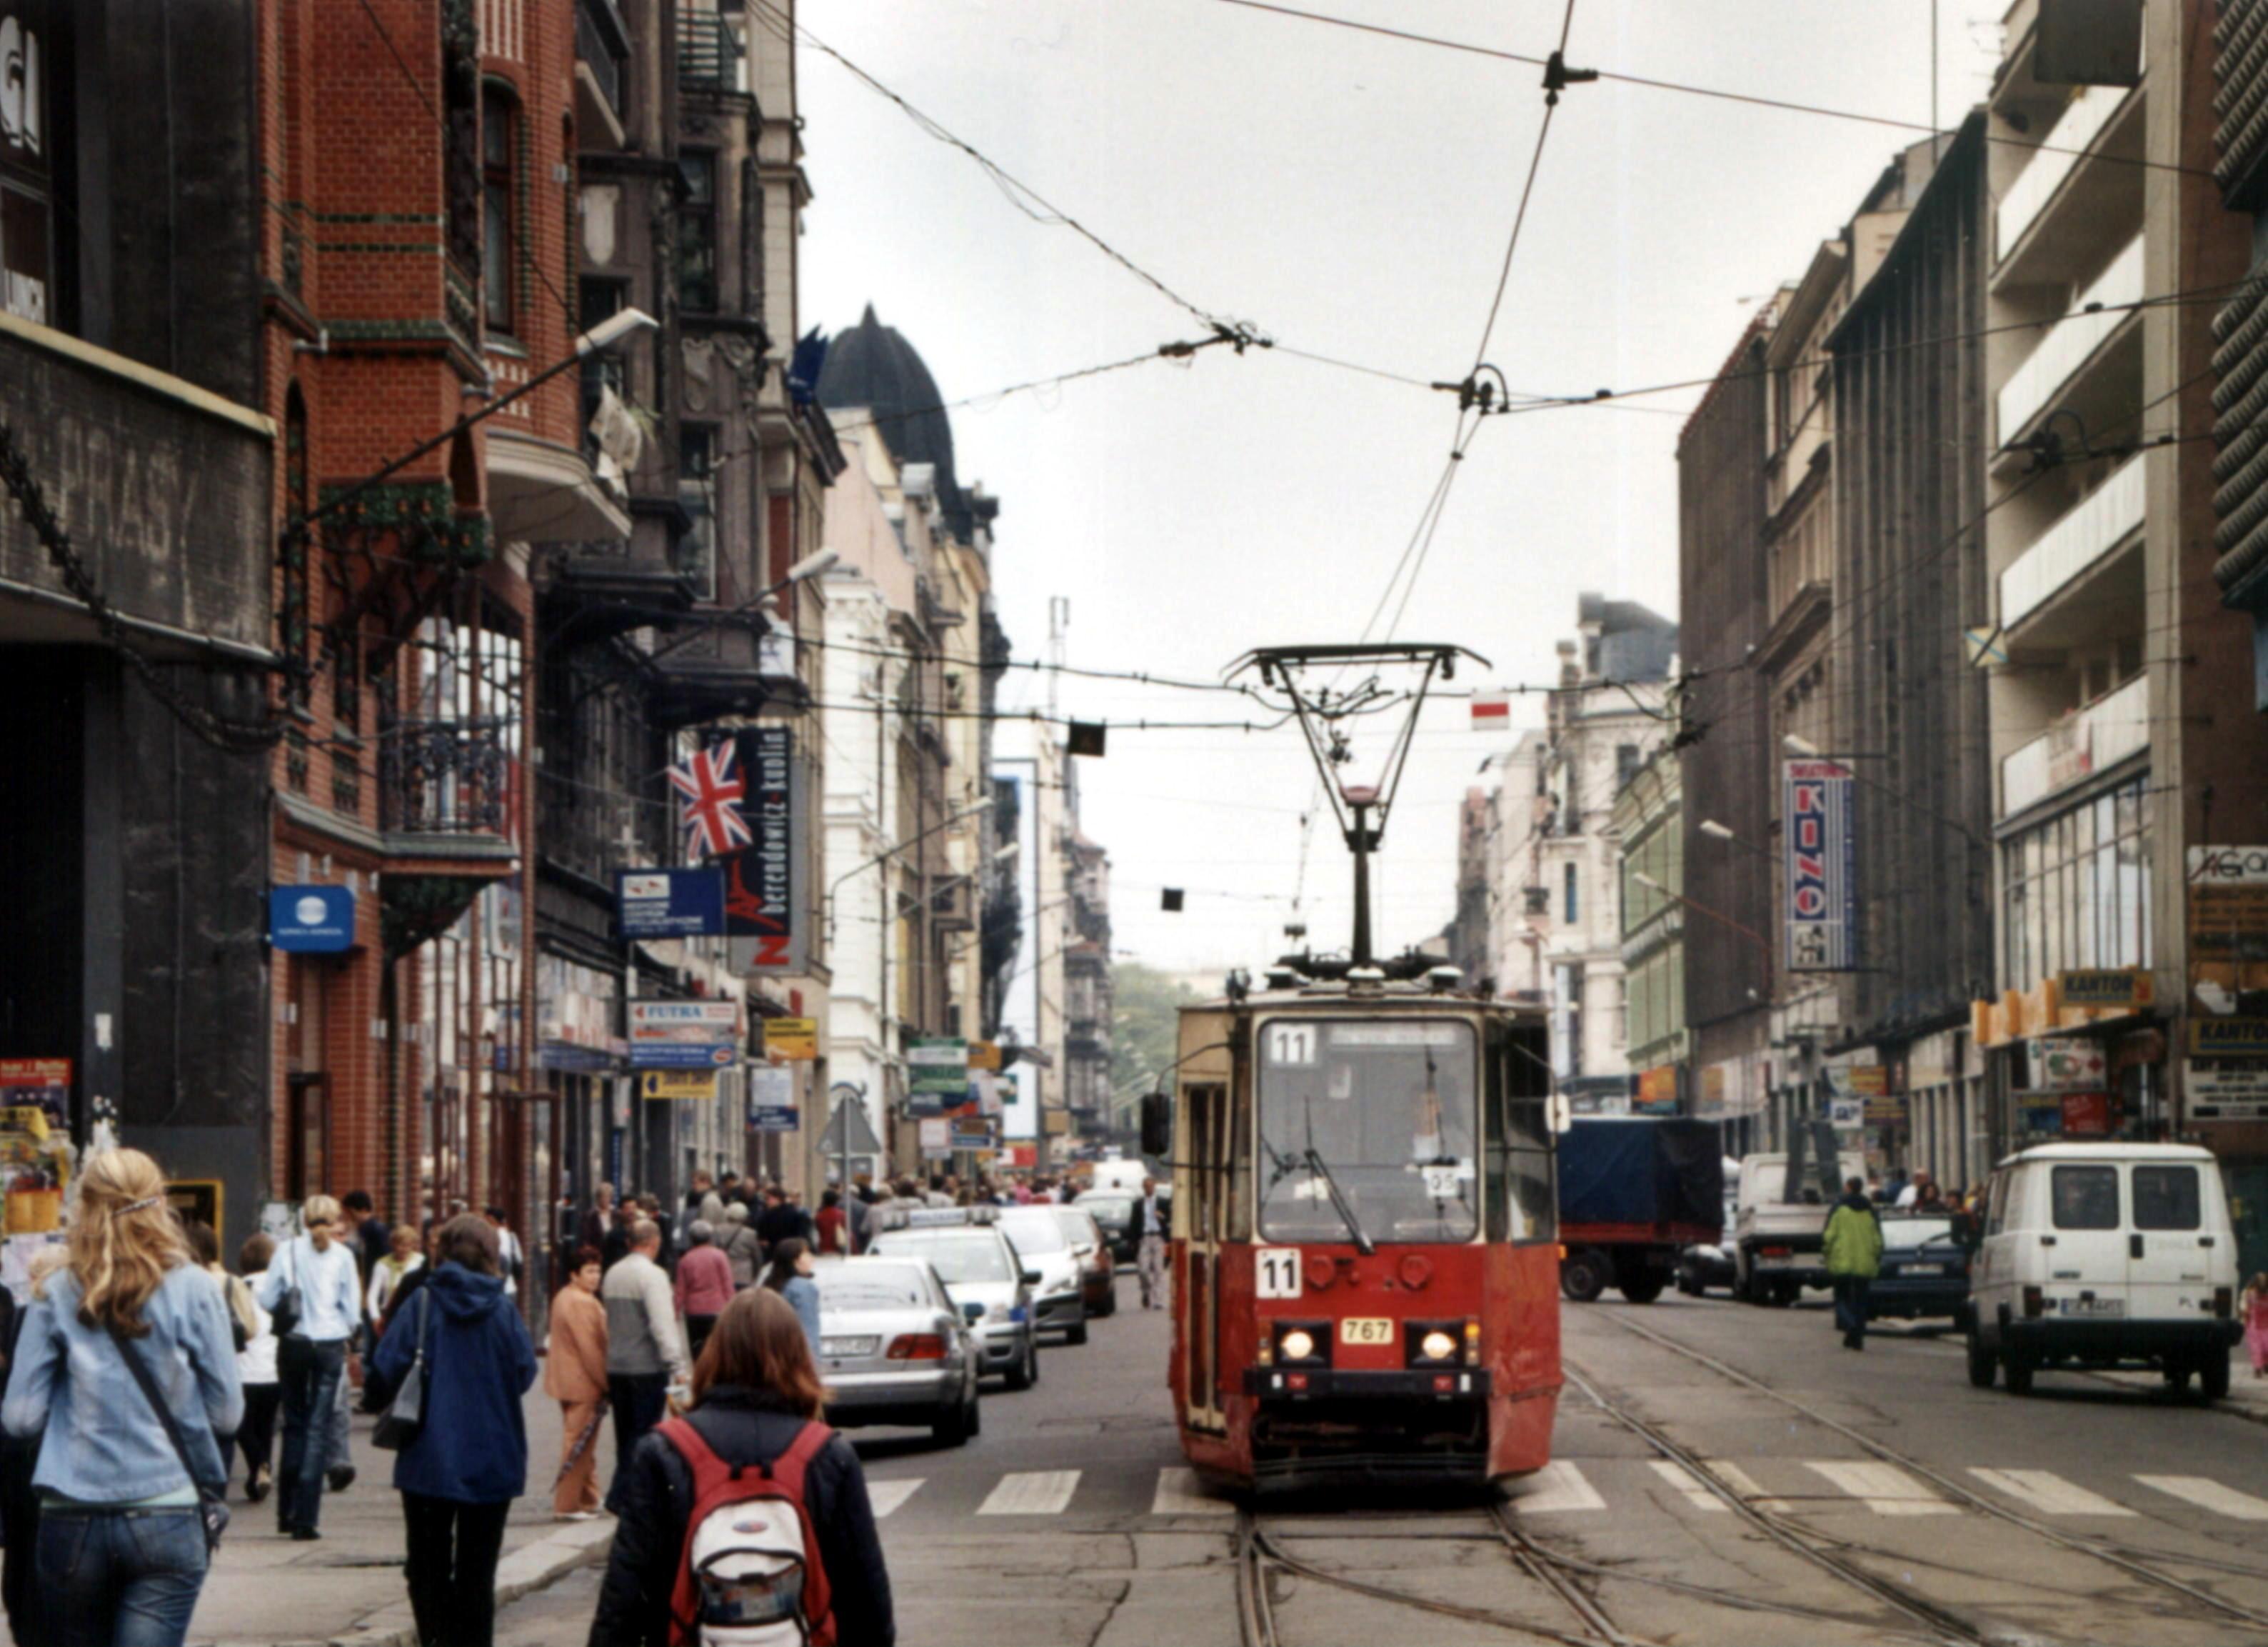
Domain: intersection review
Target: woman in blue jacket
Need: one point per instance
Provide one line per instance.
(470, 1460)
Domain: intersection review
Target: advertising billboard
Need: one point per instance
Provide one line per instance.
(1823, 881)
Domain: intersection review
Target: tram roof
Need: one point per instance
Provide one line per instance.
(1339, 994)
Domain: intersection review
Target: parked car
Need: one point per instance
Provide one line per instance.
(1098, 1272)
(1924, 1270)
(894, 1348)
(1776, 1227)
(982, 1273)
(1708, 1264)
(1060, 1303)
(2105, 1255)
(1114, 1210)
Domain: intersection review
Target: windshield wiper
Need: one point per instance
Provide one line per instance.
(1321, 1168)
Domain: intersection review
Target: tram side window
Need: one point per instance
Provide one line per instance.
(1239, 1210)
(1523, 1200)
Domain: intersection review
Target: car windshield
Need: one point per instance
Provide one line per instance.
(878, 1287)
(1034, 1231)
(1370, 1118)
(1916, 1232)
(957, 1257)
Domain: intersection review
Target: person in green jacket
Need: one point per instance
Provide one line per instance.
(1853, 1249)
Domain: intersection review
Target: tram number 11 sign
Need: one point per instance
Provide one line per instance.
(1275, 1270)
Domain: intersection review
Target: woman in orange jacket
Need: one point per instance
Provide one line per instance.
(574, 1375)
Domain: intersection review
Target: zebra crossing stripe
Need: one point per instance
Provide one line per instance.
(2208, 1494)
(1031, 1493)
(2048, 1493)
(1695, 1492)
(887, 1496)
(1181, 1493)
(1884, 1489)
(1556, 1488)
(1745, 1487)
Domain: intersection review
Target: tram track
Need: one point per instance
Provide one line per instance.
(1259, 1550)
(2138, 1564)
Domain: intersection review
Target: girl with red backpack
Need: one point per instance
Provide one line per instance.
(746, 1517)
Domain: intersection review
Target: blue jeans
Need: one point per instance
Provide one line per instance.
(311, 1375)
(1851, 1306)
(119, 1577)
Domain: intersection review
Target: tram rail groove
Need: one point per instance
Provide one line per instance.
(1257, 1552)
(2133, 1565)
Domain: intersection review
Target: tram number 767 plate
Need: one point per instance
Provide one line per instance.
(1360, 1329)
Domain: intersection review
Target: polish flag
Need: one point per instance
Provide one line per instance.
(1492, 710)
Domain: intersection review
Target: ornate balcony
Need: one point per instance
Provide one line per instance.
(452, 779)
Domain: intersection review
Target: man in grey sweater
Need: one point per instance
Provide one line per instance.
(644, 1355)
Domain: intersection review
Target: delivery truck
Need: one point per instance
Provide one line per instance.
(1633, 1191)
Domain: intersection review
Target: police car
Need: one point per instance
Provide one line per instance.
(982, 1274)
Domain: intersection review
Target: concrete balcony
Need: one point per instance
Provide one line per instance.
(2073, 343)
(2082, 539)
(2089, 144)
(2086, 741)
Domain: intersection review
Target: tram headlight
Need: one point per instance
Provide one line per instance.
(1438, 1346)
(1299, 1344)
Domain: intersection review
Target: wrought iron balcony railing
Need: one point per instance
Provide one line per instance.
(452, 778)
(709, 51)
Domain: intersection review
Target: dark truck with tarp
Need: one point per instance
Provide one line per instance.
(1633, 1190)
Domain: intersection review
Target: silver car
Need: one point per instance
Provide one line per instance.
(1039, 1239)
(984, 1276)
(894, 1348)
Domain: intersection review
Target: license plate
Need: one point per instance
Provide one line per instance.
(1365, 1330)
(848, 1346)
(1922, 1269)
(2095, 1306)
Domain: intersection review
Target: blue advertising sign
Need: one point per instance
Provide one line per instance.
(310, 920)
(1823, 880)
(669, 902)
(771, 1118)
(771, 1099)
(973, 1135)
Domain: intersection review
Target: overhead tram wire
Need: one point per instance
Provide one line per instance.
(1719, 93)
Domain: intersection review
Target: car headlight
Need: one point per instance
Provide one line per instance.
(1438, 1346)
(1298, 1345)
(999, 1312)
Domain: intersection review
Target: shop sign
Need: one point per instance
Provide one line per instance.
(2068, 1063)
(2086, 1114)
(669, 902)
(1657, 1087)
(2236, 1090)
(1858, 1081)
(2128, 986)
(2229, 1037)
(1846, 1115)
(936, 1138)
(937, 1071)
(2228, 930)
(684, 1034)
(1023, 1155)
(677, 1086)
(1055, 1123)
(310, 920)
(772, 1099)
(795, 1039)
(763, 883)
(1885, 1109)
(984, 1055)
(972, 1134)
(1710, 1102)
(1823, 881)
(40, 1083)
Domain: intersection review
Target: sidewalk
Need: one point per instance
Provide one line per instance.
(2246, 1399)
(347, 1588)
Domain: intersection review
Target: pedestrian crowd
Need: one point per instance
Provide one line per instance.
(142, 1366)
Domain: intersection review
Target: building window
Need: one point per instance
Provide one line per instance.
(598, 300)
(2078, 888)
(291, 607)
(697, 493)
(696, 233)
(500, 140)
(1567, 892)
(1626, 765)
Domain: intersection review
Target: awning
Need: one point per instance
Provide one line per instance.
(542, 492)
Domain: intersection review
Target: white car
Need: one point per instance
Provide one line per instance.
(2105, 1255)
(1059, 1301)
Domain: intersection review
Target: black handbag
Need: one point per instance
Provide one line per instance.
(286, 1316)
(212, 1508)
(405, 1415)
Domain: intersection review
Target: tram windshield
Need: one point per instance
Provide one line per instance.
(1369, 1120)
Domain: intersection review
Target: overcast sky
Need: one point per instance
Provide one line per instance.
(1350, 196)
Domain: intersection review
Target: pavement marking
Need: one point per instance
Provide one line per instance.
(2048, 1493)
(1695, 1490)
(1746, 1486)
(1883, 1489)
(1031, 1493)
(1558, 1488)
(887, 1496)
(2208, 1494)
(1179, 1494)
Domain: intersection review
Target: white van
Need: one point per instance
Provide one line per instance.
(2105, 1255)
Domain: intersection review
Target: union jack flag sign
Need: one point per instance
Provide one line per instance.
(708, 795)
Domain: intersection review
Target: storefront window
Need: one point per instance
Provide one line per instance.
(2076, 890)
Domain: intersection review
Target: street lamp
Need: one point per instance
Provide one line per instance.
(881, 858)
(1716, 830)
(809, 566)
(1795, 745)
(1750, 933)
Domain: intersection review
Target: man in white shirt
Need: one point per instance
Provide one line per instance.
(1911, 1194)
(1150, 1221)
(319, 1272)
(645, 1355)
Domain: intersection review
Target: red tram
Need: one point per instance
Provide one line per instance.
(1365, 1256)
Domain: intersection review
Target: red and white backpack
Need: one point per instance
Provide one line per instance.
(750, 1575)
